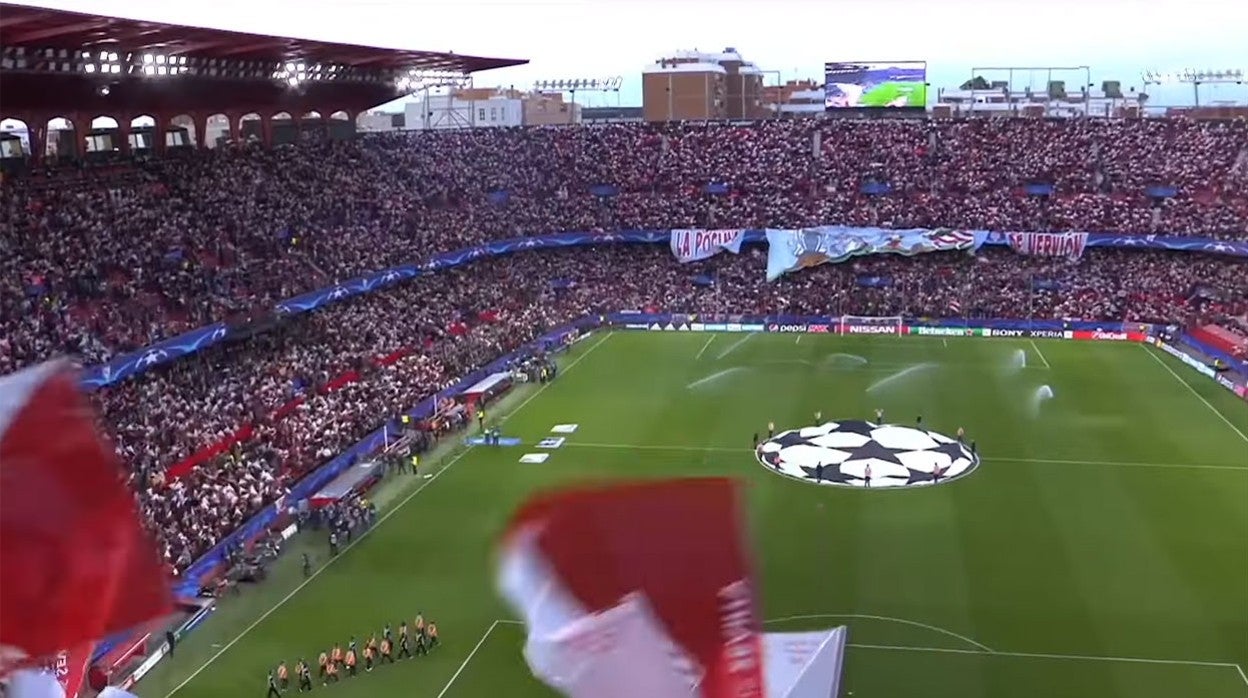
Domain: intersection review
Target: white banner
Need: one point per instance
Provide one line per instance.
(693, 244)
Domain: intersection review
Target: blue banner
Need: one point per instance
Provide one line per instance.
(791, 250)
(127, 365)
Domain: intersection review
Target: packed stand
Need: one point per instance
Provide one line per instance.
(216, 436)
(105, 264)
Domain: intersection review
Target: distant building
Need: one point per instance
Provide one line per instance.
(486, 107)
(690, 85)
(795, 98)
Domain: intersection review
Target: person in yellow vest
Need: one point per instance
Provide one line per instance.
(481, 418)
(433, 634)
(415, 463)
(349, 661)
(386, 649)
(283, 676)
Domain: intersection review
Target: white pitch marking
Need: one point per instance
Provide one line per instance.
(704, 346)
(1040, 461)
(1192, 390)
(733, 347)
(317, 572)
(471, 654)
(799, 339)
(1040, 354)
(945, 341)
(980, 648)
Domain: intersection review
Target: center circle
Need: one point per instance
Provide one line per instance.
(857, 453)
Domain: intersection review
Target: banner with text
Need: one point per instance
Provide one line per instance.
(693, 244)
(1069, 245)
(791, 250)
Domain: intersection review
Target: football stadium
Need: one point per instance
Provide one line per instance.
(297, 397)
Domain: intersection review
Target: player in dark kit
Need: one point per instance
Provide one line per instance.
(273, 692)
(405, 648)
(433, 634)
(819, 473)
(755, 439)
(305, 675)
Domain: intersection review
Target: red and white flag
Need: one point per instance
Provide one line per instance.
(637, 589)
(75, 561)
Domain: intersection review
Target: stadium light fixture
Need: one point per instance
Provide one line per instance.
(609, 84)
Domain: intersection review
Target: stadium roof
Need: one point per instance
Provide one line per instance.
(59, 87)
(34, 26)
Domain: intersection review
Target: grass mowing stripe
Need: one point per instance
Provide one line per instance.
(317, 572)
(1192, 390)
(1041, 461)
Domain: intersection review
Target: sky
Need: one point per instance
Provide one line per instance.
(603, 38)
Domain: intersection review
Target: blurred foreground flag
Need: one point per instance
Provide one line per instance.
(647, 589)
(75, 562)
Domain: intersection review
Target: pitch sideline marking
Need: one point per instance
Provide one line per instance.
(983, 650)
(317, 572)
(1040, 354)
(704, 346)
(1041, 461)
(467, 659)
(1193, 391)
(981, 647)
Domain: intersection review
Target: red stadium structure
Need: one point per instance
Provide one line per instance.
(56, 64)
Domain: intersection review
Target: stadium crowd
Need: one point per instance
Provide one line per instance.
(105, 262)
(215, 437)
(96, 263)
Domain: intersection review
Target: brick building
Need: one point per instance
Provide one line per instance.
(691, 85)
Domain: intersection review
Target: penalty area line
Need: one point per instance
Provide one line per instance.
(1040, 354)
(467, 659)
(385, 517)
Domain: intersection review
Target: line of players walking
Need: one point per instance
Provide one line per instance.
(335, 664)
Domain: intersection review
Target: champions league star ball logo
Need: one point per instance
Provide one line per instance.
(857, 453)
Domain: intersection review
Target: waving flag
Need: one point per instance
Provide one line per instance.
(75, 562)
(648, 569)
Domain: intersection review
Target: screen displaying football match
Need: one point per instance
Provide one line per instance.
(875, 84)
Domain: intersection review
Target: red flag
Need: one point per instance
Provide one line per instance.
(676, 545)
(75, 561)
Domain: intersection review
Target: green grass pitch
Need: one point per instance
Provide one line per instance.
(886, 93)
(1101, 549)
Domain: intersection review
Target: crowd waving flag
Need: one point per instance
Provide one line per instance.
(75, 562)
(791, 250)
(647, 589)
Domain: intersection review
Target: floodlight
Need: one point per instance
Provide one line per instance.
(292, 81)
(160, 59)
(149, 70)
(162, 70)
(86, 55)
(148, 59)
(182, 60)
(301, 66)
(114, 68)
(90, 67)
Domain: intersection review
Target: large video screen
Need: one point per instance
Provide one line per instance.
(875, 84)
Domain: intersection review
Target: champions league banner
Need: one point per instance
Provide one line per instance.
(791, 250)
(694, 244)
(888, 241)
